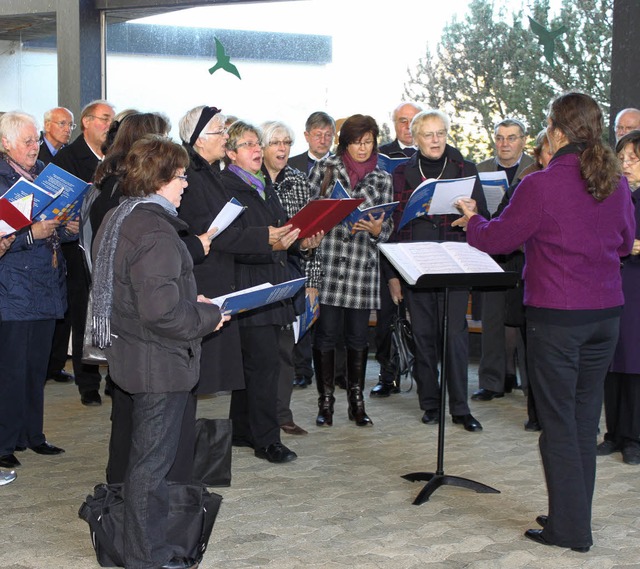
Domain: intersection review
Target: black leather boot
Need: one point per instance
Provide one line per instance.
(324, 363)
(356, 367)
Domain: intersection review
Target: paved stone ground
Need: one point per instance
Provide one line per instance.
(343, 503)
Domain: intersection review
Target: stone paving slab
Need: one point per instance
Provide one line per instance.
(343, 503)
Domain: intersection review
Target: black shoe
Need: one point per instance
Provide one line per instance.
(606, 447)
(20, 449)
(431, 417)
(631, 452)
(486, 395)
(61, 376)
(542, 520)
(532, 426)
(510, 382)
(301, 382)
(536, 535)
(180, 563)
(91, 398)
(384, 389)
(9, 461)
(47, 448)
(470, 423)
(276, 452)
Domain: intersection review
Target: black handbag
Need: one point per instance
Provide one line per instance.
(192, 513)
(212, 460)
(402, 348)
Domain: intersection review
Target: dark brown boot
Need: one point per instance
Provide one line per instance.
(323, 363)
(356, 367)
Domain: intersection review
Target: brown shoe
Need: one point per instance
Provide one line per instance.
(293, 429)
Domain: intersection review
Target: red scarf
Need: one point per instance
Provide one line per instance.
(358, 170)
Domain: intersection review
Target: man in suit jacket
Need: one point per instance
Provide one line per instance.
(403, 145)
(497, 371)
(58, 126)
(81, 158)
(319, 132)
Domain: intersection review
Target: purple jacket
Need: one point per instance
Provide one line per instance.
(573, 243)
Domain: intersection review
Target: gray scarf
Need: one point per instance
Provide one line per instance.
(103, 267)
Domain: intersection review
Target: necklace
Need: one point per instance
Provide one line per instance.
(441, 171)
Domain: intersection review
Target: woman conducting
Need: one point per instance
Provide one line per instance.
(150, 319)
(349, 287)
(576, 220)
(622, 385)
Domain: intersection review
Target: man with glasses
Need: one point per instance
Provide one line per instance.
(402, 146)
(497, 371)
(81, 158)
(319, 132)
(58, 126)
(626, 121)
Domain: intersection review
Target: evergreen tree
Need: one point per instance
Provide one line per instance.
(490, 65)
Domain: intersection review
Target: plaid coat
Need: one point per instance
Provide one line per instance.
(294, 192)
(350, 263)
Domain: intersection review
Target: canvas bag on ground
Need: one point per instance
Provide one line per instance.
(212, 461)
(192, 513)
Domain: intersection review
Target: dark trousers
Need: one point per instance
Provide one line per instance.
(384, 318)
(24, 353)
(622, 407)
(493, 362)
(336, 322)
(253, 410)
(122, 409)
(567, 367)
(285, 383)
(302, 356)
(87, 376)
(155, 437)
(426, 309)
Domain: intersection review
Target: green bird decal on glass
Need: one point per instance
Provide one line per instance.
(224, 61)
(546, 38)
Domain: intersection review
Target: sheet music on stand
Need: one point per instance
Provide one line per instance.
(419, 258)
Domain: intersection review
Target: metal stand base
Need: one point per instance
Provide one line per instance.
(436, 480)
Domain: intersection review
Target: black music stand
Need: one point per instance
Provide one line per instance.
(439, 478)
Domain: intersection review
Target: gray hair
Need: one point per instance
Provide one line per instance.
(189, 121)
(510, 121)
(319, 119)
(237, 130)
(13, 122)
(423, 116)
(394, 114)
(270, 128)
(48, 114)
(90, 107)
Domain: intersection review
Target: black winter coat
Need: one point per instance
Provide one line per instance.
(156, 321)
(204, 197)
(258, 268)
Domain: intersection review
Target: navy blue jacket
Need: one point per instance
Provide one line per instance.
(31, 287)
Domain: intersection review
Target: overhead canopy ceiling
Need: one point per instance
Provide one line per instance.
(26, 27)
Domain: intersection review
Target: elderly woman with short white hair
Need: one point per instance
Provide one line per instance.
(294, 192)
(33, 296)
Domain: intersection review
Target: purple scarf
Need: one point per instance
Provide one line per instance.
(358, 170)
